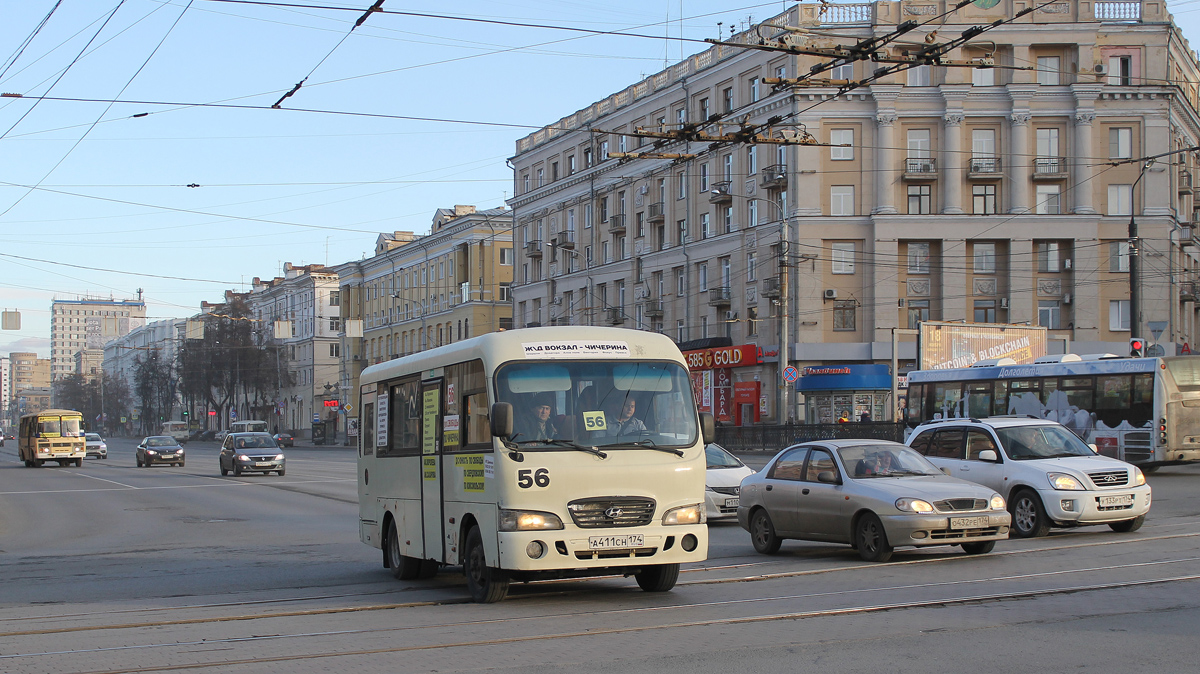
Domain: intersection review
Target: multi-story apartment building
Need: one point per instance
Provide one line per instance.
(89, 323)
(997, 195)
(29, 382)
(299, 314)
(419, 292)
(121, 355)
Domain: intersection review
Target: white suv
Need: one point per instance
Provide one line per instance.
(1046, 473)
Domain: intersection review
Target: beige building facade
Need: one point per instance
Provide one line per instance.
(420, 292)
(89, 323)
(29, 384)
(997, 195)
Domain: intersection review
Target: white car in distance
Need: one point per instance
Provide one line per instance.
(722, 483)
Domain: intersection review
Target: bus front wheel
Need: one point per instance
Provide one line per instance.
(487, 585)
(403, 567)
(658, 578)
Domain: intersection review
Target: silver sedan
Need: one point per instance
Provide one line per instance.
(873, 494)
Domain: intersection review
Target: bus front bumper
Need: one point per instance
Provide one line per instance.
(602, 548)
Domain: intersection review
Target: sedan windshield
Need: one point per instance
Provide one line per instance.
(869, 461)
(719, 457)
(160, 442)
(1041, 442)
(599, 404)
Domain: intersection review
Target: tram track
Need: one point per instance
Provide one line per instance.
(595, 631)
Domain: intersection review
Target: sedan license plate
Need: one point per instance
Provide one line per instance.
(732, 502)
(1109, 501)
(968, 522)
(262, 464)
(616, 542)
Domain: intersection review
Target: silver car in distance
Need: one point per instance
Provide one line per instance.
(875, 495)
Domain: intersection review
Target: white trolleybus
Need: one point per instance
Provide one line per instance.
(535, 454)
(1142, 410)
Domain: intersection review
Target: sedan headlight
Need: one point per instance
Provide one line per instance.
(692, 514)
(279, 457)
(528, 520)
(151, 451)
(997, 502)
(1064, 482)
(1139, 478)
(913, 505)
(243, 457)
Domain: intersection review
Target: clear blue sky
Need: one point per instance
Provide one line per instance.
(90, 183)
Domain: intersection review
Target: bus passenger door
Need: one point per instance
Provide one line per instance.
(431, 469)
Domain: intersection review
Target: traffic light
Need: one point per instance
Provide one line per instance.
(1137, 347)
(185, 413)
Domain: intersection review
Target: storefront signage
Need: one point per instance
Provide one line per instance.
(722, 357)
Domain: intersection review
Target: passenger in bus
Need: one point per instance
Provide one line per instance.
(623, 422)
(536, 425)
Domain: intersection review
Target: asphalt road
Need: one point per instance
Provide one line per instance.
(114, 568)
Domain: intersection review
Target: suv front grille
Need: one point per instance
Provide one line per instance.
(1110, 478)
(728, 491)
(611, 511)
(951, 505)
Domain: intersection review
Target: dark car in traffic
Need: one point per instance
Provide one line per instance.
(285, 440)
(250, 453)
(159, 449)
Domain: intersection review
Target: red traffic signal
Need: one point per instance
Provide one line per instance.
(1137, 347)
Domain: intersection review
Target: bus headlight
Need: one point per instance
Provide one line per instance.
(528, 520)
(692, 514)
(913, 505)
(997, 502)
(1064, 482)
(1139, 478)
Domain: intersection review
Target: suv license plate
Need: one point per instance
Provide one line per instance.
(616, 542)
(1109, 501)
(969, 522)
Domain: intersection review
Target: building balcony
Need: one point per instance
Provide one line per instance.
(616, 224)
(614, 315)
(1185, 182)
(1187, 291)
(774, 177)
(533, 248)
(1049, 168)
(770, 287)
(920, 168)
(720, 297)
(720, 193)
(565, 239)
(984, 168)
(652, 308)
(656, 212)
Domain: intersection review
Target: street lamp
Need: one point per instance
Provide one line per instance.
(785, 237)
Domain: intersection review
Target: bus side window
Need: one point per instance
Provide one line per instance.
(915, 402)
(921, 443)
(1000, 398)
(367, 430)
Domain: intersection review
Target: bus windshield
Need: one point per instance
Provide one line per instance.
(66, 427)
(599, 404)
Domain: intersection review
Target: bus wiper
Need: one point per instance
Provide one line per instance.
(649, 444)
(562, 443)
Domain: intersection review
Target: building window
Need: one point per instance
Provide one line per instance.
(570, 164)
(1118, 315)
(705, 226)
(985, 258)
(752, 212)
(681, 231)
(919, 76)
(680, 281)
(841, 137)
(918, 143)
(1047, 151)
(751, 267)
(727, 99)
(553, 177)
(335, 350)
(1118, 256)
(587, 157)
(1120, 70)
(842, 71)
(841, 200)
(704, 113)
(918, 310)
(1120, 142)
(704, 177)
(680, 331)
(505, 292)
(1047, 70)
(681, 185)
(844, 315)
(1120, 199)
(1048, 200)
(842, 256)
(983, 147)
(918, 257)
(983, 199)
(985, 311)
(919, 199)
(1049, 314)
(754, 82)
(335, 298)
(983, 77)
(704, 327)
(702, 276)
(751, 321)
(1048, 257)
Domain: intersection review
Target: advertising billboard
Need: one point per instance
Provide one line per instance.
(949, 345)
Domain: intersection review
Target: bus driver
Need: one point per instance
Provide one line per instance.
(537, 425)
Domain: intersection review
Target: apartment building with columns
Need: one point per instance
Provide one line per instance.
(990, 195)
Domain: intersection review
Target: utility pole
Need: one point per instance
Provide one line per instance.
(784, 345)
(1135, 299)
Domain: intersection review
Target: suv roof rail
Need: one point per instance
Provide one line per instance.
(948, 420)
(1017, 416)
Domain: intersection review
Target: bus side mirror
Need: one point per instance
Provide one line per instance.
(502, 420)
(708, 427)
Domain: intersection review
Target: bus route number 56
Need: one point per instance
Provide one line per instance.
(529, 477)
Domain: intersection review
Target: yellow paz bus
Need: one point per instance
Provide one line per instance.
(51, 435)
(535, 454)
